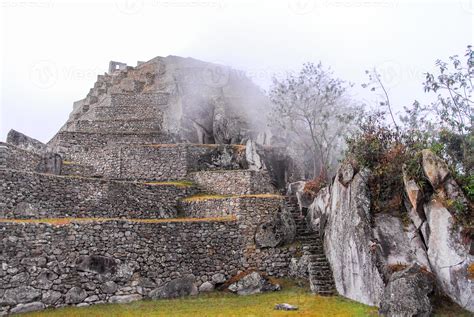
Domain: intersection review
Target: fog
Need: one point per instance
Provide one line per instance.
(52, 51)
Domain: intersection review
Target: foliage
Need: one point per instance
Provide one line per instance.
(313, 112)
(390, 148)
(387, 152)
(313, 186)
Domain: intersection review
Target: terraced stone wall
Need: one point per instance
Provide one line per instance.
(251, 211)
(33, 195)
(234, 182)
(44, 265)
(13, 157)
(156, 161)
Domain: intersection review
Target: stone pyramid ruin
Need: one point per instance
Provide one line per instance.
(162, 178)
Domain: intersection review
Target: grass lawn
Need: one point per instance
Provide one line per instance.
(224, 304)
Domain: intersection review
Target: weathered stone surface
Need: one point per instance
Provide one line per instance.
(254, 159)
(415, 196)
(346, 173)
(96, 264)
(285, 306)
(179, 287)
(206, 287)
(319, 209)
(349, 243)
(399, 245)
(20, 295)
(297, 189)
(124, 299)
(435, 168)
(51, 297)
(75, 295)
(51, 163)
(449, 258)
(281, 230)
(408, 293)
(25, 142)
(25, 308)
(253, 283)
(218, 278)
(109, 287)
(299, 267)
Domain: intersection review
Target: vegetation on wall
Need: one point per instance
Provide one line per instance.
(391, 147)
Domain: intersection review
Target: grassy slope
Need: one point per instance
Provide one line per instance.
(226, 305)
(223, 304)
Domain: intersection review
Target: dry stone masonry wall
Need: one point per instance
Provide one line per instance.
(32, 195)
(238, 182)
(109, 261)
(85, 219)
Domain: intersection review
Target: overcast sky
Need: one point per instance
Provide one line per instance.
(52, 51)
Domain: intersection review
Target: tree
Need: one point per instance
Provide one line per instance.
(314, 112)
(449, 118)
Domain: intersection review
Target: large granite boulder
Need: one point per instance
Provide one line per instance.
(297, 189)
(26, 143)
(254, 158)
(408, 293)
(449, 257)
(279, 231)
(253, 283)
(349, 243)
(400, 244)
(435, 168)
(179, 287)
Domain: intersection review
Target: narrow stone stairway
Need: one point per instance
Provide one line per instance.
(320, 275)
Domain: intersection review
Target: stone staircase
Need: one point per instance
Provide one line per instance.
(320, 275)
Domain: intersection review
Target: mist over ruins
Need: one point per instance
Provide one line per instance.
(179, 187)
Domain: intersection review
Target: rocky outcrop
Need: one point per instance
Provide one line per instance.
(349, 243)
(253, 283)
(408, 293)
(399, 244)
(449, 258)
(26, 143)
(440, 229)
(304, 198)
(253, 156)
(365, 249)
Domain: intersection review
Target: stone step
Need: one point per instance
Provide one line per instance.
(322, 283)
(316, 250)
(319, 263)
(325, 293)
